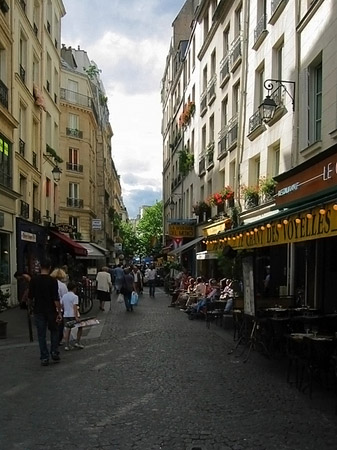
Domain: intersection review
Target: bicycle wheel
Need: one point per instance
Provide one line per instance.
(86, 305)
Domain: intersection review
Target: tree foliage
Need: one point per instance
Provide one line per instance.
(150, 228)
(131, 243)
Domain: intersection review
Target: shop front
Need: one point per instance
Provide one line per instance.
(293, 250)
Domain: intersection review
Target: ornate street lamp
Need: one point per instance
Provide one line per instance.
(56, 173)
(268, 106)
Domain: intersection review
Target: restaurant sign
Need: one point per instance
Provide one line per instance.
(186, 231)
(307, 225)
(320, 176)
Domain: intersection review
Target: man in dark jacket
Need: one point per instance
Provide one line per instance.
(43, 293)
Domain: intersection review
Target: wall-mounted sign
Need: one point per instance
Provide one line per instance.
(29, 237)
(318, 177)
(65, 227)
(118, 246)
(96, 224)
(176, 230)
(305, 226)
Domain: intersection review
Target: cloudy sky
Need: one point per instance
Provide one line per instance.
(129, 41)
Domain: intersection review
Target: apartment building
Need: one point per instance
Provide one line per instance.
(277, 109)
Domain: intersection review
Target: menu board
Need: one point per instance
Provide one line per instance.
(248, 286)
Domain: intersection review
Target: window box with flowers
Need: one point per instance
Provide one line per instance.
(267, 188)
(220, 199)
(187, 113)
(186, 161)
(251, 195)
(202, 210)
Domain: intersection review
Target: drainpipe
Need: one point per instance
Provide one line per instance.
(242, 106)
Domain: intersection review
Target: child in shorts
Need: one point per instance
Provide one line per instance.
(69, 303)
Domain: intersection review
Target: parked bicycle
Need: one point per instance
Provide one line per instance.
(85, 297)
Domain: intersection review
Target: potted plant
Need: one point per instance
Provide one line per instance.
(267, 187)
(202, 209)
(251, 195)
(186, 161)
(3, 306)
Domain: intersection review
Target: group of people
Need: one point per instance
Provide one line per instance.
(193, 295)
(52, 299)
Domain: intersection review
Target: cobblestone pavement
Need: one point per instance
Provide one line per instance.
(154, 380)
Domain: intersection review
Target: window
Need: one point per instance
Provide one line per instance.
(315, 103)
(259, 88)
(48, 187)
(224, 112)
(74, 190)
(48, 73)
(73, 156)
(211, 128)
(225, 40)
(5, 162)
(209, 188)
(254, 171)
(74, 222)
(273, 161)
(73, 121)
(238, 21)
(278, 59)
(193, 53)
(213, 63)
(204, 79)
(206, 26)
(203, 138)
(236, 98)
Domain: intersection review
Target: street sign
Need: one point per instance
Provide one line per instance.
(96, 224)
(187, 231)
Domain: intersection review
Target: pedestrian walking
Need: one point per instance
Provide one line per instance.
(137, 280)
(151, 277)
(118, 278)
(60, 276)
(69, 303)
(43, 293)
(127, 288)
(104, 287)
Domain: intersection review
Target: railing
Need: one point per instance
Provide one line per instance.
(74, 202)
(254, 121)
(203, 102)
(74, 133)
(233, 131)
(24, 209)
(3, 94)
(74, 167)
(275, 4)
(36, 215)
(210, 157)
(235, 50)
(22, 146)
(5, 179)
(75, 97)
(22, 74)
(224, 68)
(211, 89)
(34, 160)
(260, 27)
(223, 142)
(277, 96)
(23, 5)
(202, 165)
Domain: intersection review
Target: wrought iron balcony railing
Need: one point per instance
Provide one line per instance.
(74, 202)
(22, 146)
(73, 132)
(36, 215)
(24, 209)
(22, 74)
(3, 94)
(260, 27)
(74, 167)
(235, 51)
(34, 159)
(202, 165)
(254, 121)
(224, 68)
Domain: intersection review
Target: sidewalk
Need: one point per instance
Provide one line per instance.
(18, 330)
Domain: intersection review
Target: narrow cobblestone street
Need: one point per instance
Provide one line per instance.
(155, 380)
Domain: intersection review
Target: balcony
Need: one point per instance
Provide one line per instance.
(24, 209)
(260, 31)
(73, 132)
(210, 156)
(3, 94)
(34, 160)
(5, 179)
(75, 98)
(211, 90)
(4, 6)
(23, 5)
(256, 126)
(22, 74)
(277, 6)
(236, 54)
(36, 215)
(202, 166)
(232, 132)
(74, 167)
(224, 71)
(74, 202)
(203, 103)
(223, 142)
(22, 146)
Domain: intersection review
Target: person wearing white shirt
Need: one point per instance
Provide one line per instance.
(69, 303)
(104, 286)
(151, 277)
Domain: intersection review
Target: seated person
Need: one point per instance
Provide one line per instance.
(212, 295)
(228, 294)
